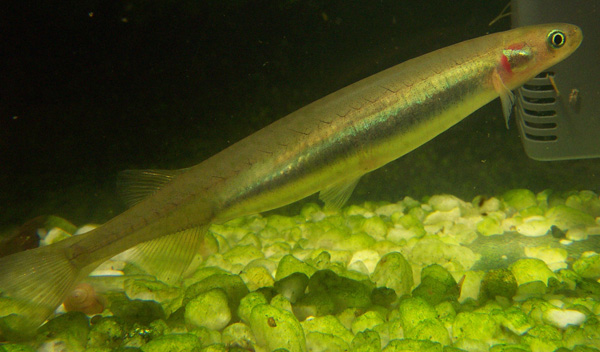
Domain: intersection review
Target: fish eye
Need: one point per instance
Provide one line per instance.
(556, 39)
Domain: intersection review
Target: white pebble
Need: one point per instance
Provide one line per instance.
(368, 257)
(563, 318)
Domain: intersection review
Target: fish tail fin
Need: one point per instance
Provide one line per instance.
(33, 284)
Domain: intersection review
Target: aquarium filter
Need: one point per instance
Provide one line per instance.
(558, 112)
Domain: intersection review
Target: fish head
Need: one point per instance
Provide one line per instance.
(530, 50)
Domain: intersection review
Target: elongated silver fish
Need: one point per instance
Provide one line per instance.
(323, 147)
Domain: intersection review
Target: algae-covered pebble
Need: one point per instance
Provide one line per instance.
(279, 301)
(366, 341)
(404, 345)
(588, 265)
(208, 309)
(327, 325)
(398, 233)
(390, 209)
(438, 217)
(136, 311)
(430, 330)
(70, 329)
(519, 198)
(530, 289)
(375, 227)
(515, 320)
(367, 321)
(107, 332)
(456, 349)
(565, 217)
(243, 254)
(490, 226)
(476, 326)
(293, 286)
(446, 312)
(276, 328)
(289, 265)
(233, 286)
(383, 296)
(238, 334)
(586, 335)
(555, 258)
(578, 233)
(434, 291)
(250, 239)
(487, 205)
(498, 282)
(281, 223)
(414, 310)
(317, 341)
(445, 202)
(542, 338)
(534, 226)
(530, 269)
(436, 285)
(150, 290)
(330, 239)
(215, 347)
(248, 303)
(393, 271)
(410, 221)
(310, 211)
(256, 277)
(315, 304)
(470, 285)
(431, 250)
(15, 348)
(231, 233)
(531, 212)
(343, 291)
(355, 242)
(202, 273)
(173, 342)
(367, 257)
(206, 336)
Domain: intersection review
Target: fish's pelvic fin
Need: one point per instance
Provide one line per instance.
(167, 257)
(135, 185)
(33, 284)
(507, 98)
(336, 195)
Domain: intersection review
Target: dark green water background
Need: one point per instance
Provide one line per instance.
(89, 88)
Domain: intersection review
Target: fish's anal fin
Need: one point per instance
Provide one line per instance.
(135, 185)
(167, 257)
(507, 98)
(336, 196)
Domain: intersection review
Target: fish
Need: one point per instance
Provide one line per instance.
(324, 147)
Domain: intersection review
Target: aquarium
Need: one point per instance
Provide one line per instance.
(329, 239)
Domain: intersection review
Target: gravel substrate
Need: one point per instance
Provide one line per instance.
(517, 272)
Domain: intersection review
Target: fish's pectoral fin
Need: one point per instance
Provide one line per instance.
(169, 256)
(135, 185)
(507, 98)
(336, 196)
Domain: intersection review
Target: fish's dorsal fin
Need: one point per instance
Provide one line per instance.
(336, 196)
(167, 257)
(507, 98)
(135, 185)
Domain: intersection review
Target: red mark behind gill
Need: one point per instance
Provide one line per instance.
(504, 59)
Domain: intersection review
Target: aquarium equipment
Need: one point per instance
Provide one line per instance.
(558, 111)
